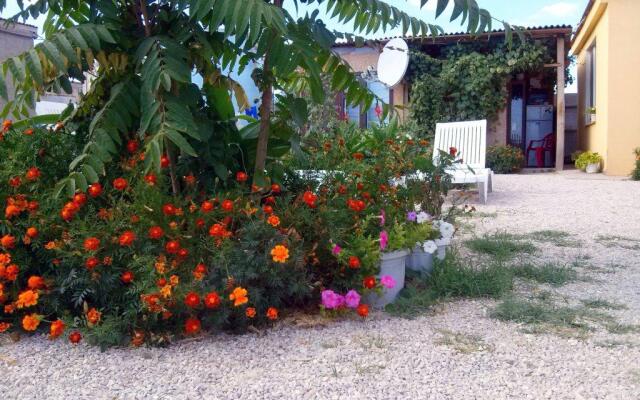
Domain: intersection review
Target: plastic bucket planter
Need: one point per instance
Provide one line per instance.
(420, 260)
(442, 247)
(593, 168)
(392, 264)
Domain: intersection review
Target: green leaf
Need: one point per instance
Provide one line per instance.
(35, 68)
(89, 173)
(179, 140)
(52, 53)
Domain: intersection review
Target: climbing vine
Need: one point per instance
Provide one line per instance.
(466, 82)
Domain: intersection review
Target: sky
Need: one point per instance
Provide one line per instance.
(515, 12)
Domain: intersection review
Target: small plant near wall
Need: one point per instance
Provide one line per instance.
(504, 159)
(589, 162)
(635, 175)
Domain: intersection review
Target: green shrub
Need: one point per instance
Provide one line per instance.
(504, 159)
(587, 158)
(635, 175)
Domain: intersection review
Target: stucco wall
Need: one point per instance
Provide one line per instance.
(14, 40)
(497, 129)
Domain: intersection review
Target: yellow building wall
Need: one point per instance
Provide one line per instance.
(616, 132)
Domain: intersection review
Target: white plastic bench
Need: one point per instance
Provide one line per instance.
(470, 139)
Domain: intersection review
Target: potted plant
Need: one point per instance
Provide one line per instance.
(394, 252)
(591, 115)
(420, 233)
(589, 162)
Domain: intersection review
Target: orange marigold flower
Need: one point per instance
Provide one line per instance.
(192, 326)
(127, 238)
(75, 337)
(138, 338)
(32, 232)
(190, 180)
(91, 243)
(9, 308)
(280, 254)
(11, 211)
(212, 300)
(120, 184)
(273, 220)
(4, 326)
(93, 316)
(33, 174)
(199, 272)
(151, 179)
(250, 312)
(275, 188)
(35, 282)
(363, 310)
(192, 300)
(107, 260)
(155, 232)
(358, 156)
(56, 329)
(239, 296)
(227, 205)
(267, 209)
(127, 277)
(28, 131)
(95, 189)
(5, 258)
(92, 262)
(8, 241)
(51, 245)
(310, 199)
(272, 313)
(11, 273)
(27, 298)
(30, 322)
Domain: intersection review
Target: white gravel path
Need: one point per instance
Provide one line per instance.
(389, 358)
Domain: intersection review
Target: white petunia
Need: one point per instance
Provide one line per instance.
(423, 217)
(430, 247)
(446, 229)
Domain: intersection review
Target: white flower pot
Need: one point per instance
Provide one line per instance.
(420, 260)
(392, 264)
(592, 168)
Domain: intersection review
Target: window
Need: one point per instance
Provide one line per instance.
(590, 81)
(382, 91)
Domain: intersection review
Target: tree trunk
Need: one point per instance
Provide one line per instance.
(265, 112)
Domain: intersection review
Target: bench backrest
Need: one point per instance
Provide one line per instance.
(468, 137)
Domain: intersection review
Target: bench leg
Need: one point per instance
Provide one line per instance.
(490, 180)
(483, 187)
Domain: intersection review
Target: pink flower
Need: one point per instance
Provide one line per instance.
(352, 299)
(387, 281)
(378, 110)
(336, 250)
(383, 217)
(384, 240)
(331, 300)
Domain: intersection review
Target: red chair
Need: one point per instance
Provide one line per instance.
(541, 147)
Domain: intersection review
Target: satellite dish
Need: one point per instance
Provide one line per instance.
(393, 62)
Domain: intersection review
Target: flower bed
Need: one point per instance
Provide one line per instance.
(128, 262)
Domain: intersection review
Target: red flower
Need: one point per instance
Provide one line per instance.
(151, 179)
(199, 271)
(190, 180)
(200, 223)
(192, 300)
(212, 300)
(358, 156)
(164, 162)
(91, 243)
(310, 199)
(8, 241)
(75, 337)
(241, 176)
(354, 262)
(56, 328)
(272, 313)
(453, 151)
(127, 238)
(33, 174)
(192, 326)
(275, 188)
(206, 206)
(169, 209)
(28, 131)
(161, 282)
(342, 189)
(120, 184)
(227, 205)
(15, 182)
(91, 263)
(270, 200)
(79, 199)
(369, 282)
(172, 247)
(95, 189)
(183, 253)
(359, 186)
(155, 232)
(363, 310)
(356, 205)
(126, 277)
(132, 146)
(32, 232)
(267, 209)
(35, 282)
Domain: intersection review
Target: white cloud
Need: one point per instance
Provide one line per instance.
(560, 9)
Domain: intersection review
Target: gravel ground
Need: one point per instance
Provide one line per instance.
(456, 352)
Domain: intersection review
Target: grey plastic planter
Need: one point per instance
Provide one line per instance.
(420, 260)
(392, 264)
(442, 247)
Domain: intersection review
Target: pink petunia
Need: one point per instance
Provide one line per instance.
(387, 281)
(352, 299)
(384, 240)
(336, 250)
(331, 300)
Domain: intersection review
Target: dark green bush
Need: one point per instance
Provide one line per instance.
(504, 159)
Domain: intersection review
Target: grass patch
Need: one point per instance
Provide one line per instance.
(622, 329)
(501, 246)
(548, 273)
(623, 242)
(603, 304)
(462, 343)
(557, 238)
(450, 279)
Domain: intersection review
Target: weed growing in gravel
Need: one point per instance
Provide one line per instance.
(502, 246)
(462, 342)
(550, 273)
(623, 242)
(603, 304)
(622, 329)
(557, 238)
(451, 278)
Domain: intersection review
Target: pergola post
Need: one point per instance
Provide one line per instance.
(560, 104)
